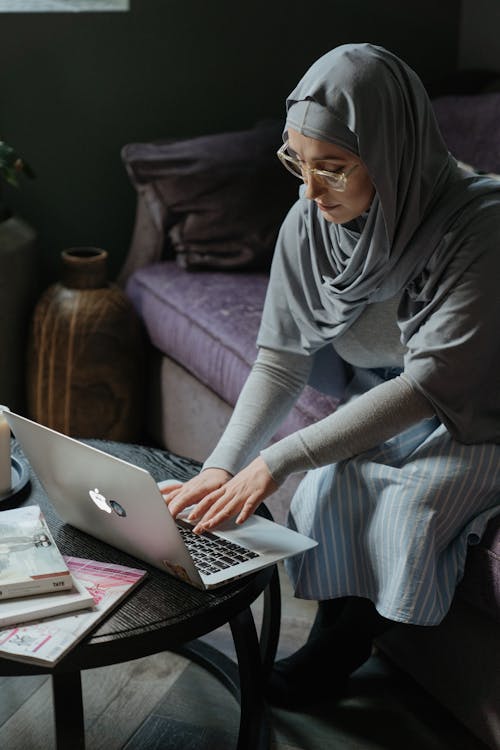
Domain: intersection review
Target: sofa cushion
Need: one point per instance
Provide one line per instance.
(480, 585)
(467, 124)
(217, 201)
(208, 322)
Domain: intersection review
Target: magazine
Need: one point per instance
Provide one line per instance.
(30, 562)
(26, 608)
(46, 641)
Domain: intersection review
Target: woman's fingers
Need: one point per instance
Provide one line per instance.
(195, 490)
(170, 491)
(184, 499)
(241, 508)
(240, 497)
(249, 507)
(178, 498)
(222, 506)
(217, 496)
(205, 504)
(220, 511)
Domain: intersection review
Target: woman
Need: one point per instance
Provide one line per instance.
(390, 255)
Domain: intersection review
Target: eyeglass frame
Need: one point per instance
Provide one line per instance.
(341, 177)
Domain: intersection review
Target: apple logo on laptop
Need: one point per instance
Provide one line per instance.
(103, 504)
(99, 500)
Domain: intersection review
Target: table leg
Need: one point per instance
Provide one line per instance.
(254, 732)
(68, 711)
(245, 680)
(255, 659)
(270, 627)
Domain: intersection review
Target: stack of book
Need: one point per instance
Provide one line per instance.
(49, 602)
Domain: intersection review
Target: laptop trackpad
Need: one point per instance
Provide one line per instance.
(264, 536)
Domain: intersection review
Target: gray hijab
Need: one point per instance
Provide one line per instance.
(430, 234)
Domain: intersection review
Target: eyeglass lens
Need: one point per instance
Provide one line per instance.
(302, 171)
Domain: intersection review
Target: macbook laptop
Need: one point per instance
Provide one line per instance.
(121, 504)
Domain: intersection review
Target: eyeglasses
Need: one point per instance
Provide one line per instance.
(334, 180)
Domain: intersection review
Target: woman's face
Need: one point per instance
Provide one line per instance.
(336, 206)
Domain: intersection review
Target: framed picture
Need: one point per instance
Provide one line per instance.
(63, 6)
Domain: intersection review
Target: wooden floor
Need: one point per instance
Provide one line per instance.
(117, 699)
(163, 702)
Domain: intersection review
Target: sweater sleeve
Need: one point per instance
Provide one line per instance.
(275, 382)
(377, 415)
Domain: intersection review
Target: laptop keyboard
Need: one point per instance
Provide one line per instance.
(211, 553)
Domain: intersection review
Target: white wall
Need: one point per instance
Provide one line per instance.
(479, 45)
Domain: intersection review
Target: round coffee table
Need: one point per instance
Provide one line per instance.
(162, 614)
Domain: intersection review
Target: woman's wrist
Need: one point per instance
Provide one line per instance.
(287, 456)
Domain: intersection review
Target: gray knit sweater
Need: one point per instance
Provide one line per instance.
(276, 381)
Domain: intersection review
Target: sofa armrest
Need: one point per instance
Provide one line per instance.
(148, 238)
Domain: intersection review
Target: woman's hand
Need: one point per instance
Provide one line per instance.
(240, 495)
(181, 496)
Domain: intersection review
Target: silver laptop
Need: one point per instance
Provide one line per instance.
(121, 504)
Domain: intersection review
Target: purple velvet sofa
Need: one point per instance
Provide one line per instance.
(202, 326)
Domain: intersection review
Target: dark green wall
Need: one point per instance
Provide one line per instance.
(74, 88)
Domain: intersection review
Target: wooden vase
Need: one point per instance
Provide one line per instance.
(85, 357)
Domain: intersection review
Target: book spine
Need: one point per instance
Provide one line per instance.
(28, 617)
(10, 590)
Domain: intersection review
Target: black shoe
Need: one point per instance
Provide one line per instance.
(319, 671)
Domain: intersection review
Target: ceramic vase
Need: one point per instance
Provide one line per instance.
(85, 354)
